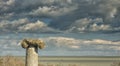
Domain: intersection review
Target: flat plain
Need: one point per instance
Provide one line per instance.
(65, 60)
(80, 60)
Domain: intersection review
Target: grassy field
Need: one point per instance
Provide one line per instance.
(64, 61)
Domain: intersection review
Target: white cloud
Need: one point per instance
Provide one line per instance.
(95, 44)
(52, 11)
(5, 5)
(79, 25)
(38, 26)
(24, 25)
(68, 15)
(75, 47)
(115, 47)
(32, 26)
(10, 2)
(100, 41)
(11, 26)
(67, 43)
(9, 44)
(88, 24)
(102, 27)
(59, 44)
(88, 15)
(62, 42)
(16, 22)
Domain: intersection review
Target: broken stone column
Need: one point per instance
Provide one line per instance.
(31, 46)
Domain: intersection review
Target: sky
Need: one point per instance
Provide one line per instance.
(68, 27)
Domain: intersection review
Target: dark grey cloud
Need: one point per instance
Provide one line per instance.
(31, 8)
(106, 11)
(65, 15)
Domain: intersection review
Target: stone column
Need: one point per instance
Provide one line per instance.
(31, 46)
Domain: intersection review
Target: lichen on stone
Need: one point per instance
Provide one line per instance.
(24, 44)
(32, 42)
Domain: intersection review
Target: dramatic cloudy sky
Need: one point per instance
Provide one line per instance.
(68, 27)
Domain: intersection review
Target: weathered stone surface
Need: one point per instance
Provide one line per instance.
(32, 42)
(32, 56)
(31, 46)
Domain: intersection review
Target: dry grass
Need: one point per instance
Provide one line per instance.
(115, 64)
(11, 61)
(15, 61)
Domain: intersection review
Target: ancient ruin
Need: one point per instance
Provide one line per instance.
(31, 46)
